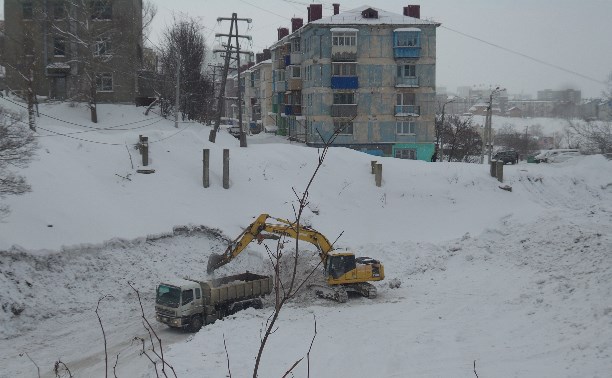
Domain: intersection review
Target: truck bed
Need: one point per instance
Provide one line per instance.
(236, 288)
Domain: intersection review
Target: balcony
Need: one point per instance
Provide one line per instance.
(344, 110)
(294, 84)
(287, 60)
(295, 110)
(407, 52)
(407, 110)
(344, 53)
(410, 82)
(274, 108)
(295, 58)
(344, 82)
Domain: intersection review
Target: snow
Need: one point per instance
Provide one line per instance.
(519, 282)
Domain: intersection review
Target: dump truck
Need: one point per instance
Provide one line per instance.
(190, 304)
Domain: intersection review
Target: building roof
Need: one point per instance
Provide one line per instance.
(354, 17)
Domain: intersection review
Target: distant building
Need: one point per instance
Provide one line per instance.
(567, 95)
(58, 60)
(367, 72)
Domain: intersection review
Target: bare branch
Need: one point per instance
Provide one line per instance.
(229, 371)
(30, 358)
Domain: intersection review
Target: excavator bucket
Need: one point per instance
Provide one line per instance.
(215, 261)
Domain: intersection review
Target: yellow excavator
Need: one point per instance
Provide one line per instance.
(343, 271)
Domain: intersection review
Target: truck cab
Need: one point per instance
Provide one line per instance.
(179, 303)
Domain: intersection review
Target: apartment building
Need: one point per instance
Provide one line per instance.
(367, 73)
(65, 45)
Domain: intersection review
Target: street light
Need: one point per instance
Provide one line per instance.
(488, 131)
(441, 149)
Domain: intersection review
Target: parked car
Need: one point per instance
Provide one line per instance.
(549, 155)
(563, 156)
(507, 157)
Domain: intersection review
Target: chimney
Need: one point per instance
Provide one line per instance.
(296, 23)
(316, 12)
(309, 16)
(259, 58)
(267, 54)
(336, 8)
(413, 11)
(282, 33)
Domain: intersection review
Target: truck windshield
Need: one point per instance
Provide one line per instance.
(168, 296)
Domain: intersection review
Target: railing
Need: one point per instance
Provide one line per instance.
(407, 110)
(344, 110)
(407, 82)
(407, 52)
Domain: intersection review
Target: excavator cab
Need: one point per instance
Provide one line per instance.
(340, 264)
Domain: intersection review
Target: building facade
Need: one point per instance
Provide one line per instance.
(366, 74)
(68, 47)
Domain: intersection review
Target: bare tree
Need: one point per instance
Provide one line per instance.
(522, 142)
(462, 139)
(596, 136)
(184, 45)
(17, 148)
(285, 291)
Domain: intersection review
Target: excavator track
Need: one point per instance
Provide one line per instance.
(335, 293)
(365, 289)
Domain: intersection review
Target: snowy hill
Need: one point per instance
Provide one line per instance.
(519, 281)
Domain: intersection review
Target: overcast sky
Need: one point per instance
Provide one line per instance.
(571, 34)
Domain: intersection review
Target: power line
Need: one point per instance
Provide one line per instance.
(525, 56)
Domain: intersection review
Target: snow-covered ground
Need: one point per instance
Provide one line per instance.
(519, 282)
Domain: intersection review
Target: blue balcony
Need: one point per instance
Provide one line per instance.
(344, 82)
(287, 60)
(407, 110)
(407, 52)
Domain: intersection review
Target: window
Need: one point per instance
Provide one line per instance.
(405, 153)
(343, 98)
(101, 10)
(309, 73)
(59, 11)
(104, 82)
(102, 47)
(343, 127)
(187, 296)
(296, 72)
(295, 45)
(280, 75)
(405, 127)
(198, 293)
(344, 69)
(407, 39)
(405, 105)
(406, 70)
(344, 38)
(28, 10)
(405, 99)
(59, 46)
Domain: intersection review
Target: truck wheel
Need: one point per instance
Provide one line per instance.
(196, 323)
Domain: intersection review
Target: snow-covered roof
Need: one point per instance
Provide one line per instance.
(354, 16)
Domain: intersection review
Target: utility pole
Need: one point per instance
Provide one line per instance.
(488, 121)
(178, 84)
(229, 50)
(441, 151)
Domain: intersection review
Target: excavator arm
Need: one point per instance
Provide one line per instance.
(255, 231)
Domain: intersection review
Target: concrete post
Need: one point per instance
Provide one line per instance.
(373, 164)
(225, 168)
(144, 143)
(206, 166)
(500, 171)
(378, 175)
(493, 168)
